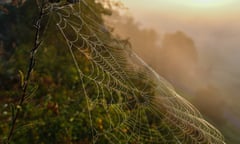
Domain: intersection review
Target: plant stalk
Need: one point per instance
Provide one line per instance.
(25, 86)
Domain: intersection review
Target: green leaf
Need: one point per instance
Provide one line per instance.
(21, 76)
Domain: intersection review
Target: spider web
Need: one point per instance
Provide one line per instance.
(127, 101)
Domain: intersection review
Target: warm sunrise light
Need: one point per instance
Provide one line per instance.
(186, 10)
(207, 3)
(216, 4)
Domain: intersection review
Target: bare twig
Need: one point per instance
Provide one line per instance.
(23, 97)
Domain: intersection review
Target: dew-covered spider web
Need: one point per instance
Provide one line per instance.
(127, 102)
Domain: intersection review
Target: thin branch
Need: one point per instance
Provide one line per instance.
(23, 97)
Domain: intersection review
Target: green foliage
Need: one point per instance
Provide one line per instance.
(54, 112)
(88, 87)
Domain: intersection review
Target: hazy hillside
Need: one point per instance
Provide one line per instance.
(207, 77)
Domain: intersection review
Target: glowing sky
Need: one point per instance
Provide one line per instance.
(184, 3)
(203, 3)
(206, 21)
(185, 9)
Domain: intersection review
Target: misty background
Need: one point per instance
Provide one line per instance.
(199, 59)
(196, 49)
